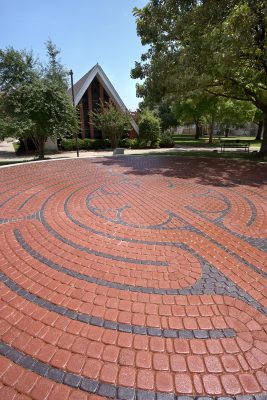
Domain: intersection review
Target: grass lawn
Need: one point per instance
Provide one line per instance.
(189, 140)
(15, 162)
(16, 146)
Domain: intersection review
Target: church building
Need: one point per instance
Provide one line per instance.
(92, 89)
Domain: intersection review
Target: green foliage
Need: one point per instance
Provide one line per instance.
(166, 140)
(149, 129)
(98, 144)
(16, 67)
(113, 122)
(85, 144)
(34, 103)
(125, 143)
(68, 144)
(134, 143)
(168, 118)
(212, 47)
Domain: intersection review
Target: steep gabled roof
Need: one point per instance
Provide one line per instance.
(82, 85)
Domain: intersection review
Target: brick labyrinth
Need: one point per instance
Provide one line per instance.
(133, 278)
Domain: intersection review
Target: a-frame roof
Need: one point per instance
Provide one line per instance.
(82, 85)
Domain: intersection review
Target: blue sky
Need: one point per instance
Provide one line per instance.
(86, 31)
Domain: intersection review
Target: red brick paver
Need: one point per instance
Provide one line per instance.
(121, 276)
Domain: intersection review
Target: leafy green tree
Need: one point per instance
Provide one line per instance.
(149, 128)
(34, 103)
(168, 119)
(217, 47)
(113, 122)
(234, 112)
(198, 109)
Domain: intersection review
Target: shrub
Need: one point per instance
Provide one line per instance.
(113, 122)
(98, 144)
(134, 144)
(149, 129)
(125, 143)
(166, 140)
(87, 144)
(67, 144)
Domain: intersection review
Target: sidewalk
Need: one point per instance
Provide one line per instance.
(7, 152)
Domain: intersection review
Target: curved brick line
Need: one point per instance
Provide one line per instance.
(128, 328)
(30, 216)
(99, 388)
(253, 211)
(110, 236)
(36, 214)
(119, 220)
(251, 205)
(21, 191)
(95, 252)
(211, 282)
(11, 198)
(259, 243)
(41, 190)
(192, 228)
(239, 258)
(256, 242)
(102, 282)
(223, 198)
(223, 212)
(88, 278)
(171, 215)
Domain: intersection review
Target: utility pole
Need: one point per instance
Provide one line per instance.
(73, 102)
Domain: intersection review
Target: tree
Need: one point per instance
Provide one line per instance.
(259, 120)
(113, 122)
(197, 109)
(168, 119)
(230, 112)
(217, 47)
(34, 103)
(149, 128)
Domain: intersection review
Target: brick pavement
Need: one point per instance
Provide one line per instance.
(133, 278)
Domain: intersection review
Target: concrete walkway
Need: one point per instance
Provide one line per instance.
(7, 152)
(133, 278)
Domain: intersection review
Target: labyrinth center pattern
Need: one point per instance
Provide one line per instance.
(132, 279)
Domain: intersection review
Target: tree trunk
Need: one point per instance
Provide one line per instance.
(211, 128)
(263, 149)
(198, 130)
(41, 144)
(260, 126)
(25, 142)
(226, 132)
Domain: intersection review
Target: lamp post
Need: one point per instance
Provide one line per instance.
(73, 102)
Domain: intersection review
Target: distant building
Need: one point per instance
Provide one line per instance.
(92, 89)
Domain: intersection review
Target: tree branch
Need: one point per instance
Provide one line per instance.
(228, 96)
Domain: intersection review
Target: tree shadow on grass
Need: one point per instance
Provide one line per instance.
(215, 172)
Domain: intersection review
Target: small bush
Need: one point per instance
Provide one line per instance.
(100, 144)
(125, 143)
(67, 144)
(149, 129)
(87, 144)
(166, 140)
(113, 122)
(134, 144)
